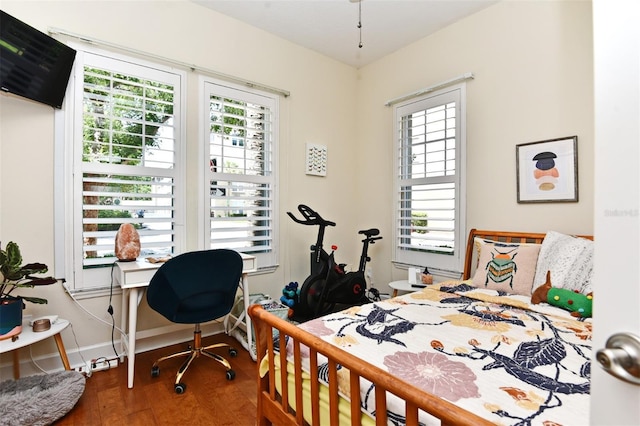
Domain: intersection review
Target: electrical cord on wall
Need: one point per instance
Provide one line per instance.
(34, 361)
(110, 311)
(112, 324)
(75, 338)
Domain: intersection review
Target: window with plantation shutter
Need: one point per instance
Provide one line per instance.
(240, 178)
(126, 147)
(429, 200)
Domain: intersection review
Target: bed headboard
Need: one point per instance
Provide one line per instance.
(502, 236)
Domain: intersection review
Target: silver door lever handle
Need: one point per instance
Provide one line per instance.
(621, 357)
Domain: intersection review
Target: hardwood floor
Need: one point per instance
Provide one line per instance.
(210, 399)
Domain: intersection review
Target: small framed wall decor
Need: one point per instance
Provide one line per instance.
(316, 159)
(547, 171)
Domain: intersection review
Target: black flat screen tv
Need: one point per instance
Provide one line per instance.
(32, 64)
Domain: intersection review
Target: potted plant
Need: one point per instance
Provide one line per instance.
(14, 275)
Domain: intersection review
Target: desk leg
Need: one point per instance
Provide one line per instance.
(395, 292)
(123, 321)
(245, 296)
(133, 319)
(62, 351)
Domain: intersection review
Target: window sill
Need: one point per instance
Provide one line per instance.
(92, 293)
(264, 270)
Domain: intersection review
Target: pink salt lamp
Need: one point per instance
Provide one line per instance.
(127, 243)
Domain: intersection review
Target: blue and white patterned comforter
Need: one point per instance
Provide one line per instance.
(493, 354)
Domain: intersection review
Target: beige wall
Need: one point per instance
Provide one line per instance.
(319, 110)
(533, 68)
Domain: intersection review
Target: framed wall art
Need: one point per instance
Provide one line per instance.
(316, 163)
(547, 171)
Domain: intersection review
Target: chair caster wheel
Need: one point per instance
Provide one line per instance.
(231, 374)
(180, 388)
(155, 371)
(233, 352)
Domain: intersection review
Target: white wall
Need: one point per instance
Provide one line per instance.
(533, 68)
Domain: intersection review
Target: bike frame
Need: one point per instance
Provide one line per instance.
(328, 284)
(319, 256)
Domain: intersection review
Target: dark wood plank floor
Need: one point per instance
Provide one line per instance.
(210, 399)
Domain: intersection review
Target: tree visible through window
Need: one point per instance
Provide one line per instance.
(126, 146)
(127, 121)
(241, 178)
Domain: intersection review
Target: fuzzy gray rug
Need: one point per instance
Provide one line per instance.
(40, 399)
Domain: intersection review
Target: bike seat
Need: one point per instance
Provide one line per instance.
(370, 232)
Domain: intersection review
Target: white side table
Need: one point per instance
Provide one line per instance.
(29, 337)
(403, 285)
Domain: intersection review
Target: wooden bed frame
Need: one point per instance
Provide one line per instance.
(274, 408)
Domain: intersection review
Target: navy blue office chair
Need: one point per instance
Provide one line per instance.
(193, 288)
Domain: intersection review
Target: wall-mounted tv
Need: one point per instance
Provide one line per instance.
(32, 64)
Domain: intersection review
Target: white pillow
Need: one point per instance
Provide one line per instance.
(570, 260)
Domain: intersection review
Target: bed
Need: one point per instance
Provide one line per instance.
(456, 352)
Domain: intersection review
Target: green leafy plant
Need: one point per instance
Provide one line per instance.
(14, 275)
(419, 222)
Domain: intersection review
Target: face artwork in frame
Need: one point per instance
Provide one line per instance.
(547, 171)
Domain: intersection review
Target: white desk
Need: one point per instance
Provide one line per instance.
(133, 278)
(29, 337)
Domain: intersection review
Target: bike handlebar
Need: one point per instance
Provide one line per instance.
(310, 217)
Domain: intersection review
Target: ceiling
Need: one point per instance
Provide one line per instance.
(330, 26)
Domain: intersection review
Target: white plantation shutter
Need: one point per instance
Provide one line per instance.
(429, 215)
(127, 154)
(241, 135)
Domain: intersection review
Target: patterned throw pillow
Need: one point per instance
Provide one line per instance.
(508, 267)
(570, 260)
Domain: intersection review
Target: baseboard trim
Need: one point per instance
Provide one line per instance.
(146, 340)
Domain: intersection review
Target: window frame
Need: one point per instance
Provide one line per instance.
(68, 261)
(444, 264)
(267, 262)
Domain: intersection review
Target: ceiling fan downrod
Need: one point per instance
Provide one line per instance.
(359, 20)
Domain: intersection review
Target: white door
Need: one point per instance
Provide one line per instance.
(617, 186)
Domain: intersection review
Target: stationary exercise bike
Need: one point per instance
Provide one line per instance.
(329, 287)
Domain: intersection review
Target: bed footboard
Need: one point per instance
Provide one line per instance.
(274, 407)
